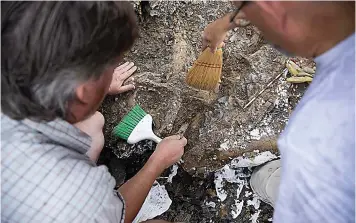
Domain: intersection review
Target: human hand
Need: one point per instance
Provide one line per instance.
(122, 75)
(168, 151)
(214, 35)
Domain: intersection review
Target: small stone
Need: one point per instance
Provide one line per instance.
(225, 145)
(244, 22)
(233, 38)
(222, 99)
(210, 204)
(211, 192)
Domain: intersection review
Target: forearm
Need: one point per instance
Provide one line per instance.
(136, 189)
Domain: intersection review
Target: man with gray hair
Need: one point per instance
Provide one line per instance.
(316, 173)
(58, 61)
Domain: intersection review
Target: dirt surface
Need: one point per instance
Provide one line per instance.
(219, 127)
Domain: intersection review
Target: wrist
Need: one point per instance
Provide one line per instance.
(154, 166)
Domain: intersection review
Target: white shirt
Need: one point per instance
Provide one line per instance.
(318, 145)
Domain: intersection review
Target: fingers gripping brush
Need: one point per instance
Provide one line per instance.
(136, 126)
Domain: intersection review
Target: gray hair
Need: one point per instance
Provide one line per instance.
(49, 48)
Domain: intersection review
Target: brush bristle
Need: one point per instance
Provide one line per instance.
(129, 122)
(205, 73)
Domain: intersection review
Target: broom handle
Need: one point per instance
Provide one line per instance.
(155, 138)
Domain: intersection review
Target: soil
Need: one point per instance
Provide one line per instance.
(219, 128)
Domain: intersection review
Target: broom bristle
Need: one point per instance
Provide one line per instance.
(129, 122)
(205, 73)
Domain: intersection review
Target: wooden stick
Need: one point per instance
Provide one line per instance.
(285, 71)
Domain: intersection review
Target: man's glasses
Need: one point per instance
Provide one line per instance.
(243, 3)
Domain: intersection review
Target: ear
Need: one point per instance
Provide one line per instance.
(275, 14)
(84, 92)
(78, 106)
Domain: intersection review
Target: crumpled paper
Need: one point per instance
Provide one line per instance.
(157, 202)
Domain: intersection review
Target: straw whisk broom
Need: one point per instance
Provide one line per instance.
(205, 73)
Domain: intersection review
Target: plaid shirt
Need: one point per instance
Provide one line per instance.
(46, 176)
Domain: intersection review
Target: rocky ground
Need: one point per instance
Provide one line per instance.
(225, 139)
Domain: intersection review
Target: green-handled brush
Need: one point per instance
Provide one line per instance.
(136, 126)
